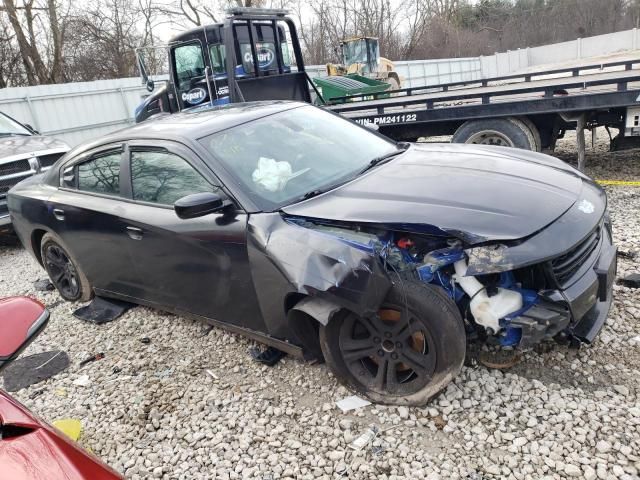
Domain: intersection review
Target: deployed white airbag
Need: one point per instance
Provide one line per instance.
(271, 174)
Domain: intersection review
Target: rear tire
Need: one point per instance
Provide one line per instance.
(405, 355)
(64, 271)
(506, 132)
(534, 131)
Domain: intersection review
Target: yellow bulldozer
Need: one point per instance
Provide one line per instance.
(361, 56)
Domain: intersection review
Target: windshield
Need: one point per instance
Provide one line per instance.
(8, 126)
(280, 158)
(354, 52)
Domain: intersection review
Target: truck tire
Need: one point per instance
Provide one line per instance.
(63, 270)
(534, 131)
(406, 354)
(506, 132)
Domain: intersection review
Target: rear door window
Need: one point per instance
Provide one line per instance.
(162, 177)
(100, 174)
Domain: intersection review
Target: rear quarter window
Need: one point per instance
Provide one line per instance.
(100, 174)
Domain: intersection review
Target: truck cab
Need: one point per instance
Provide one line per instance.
(253, 55)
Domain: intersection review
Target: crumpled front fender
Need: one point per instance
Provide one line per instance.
(315, 264)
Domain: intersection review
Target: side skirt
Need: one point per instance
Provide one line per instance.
(291, 349)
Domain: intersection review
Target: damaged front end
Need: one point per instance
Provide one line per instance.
(505, 297)
(503, 307)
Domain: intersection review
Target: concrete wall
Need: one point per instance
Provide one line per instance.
(511, 61)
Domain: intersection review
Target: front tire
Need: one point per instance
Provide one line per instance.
(406, 354)
(64, 272)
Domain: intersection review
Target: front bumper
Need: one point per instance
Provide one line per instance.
(580, 306)
(590, 297)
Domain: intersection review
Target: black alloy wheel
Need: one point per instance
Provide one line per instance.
(61, 271)
(406, 353)
(392, 353)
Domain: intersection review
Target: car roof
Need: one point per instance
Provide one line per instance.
(193, 123)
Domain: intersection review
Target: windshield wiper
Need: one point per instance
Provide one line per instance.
(402, 147)
(311, 194)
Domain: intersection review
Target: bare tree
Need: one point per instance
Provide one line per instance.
(39, 32)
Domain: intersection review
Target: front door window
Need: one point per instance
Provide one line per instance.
(162, 177)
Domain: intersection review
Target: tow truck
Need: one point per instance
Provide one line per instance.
(255, 55)
(247, 57)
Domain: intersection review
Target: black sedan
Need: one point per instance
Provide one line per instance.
(323, 239)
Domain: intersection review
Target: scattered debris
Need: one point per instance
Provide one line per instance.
(71, 427)
(213, 375)
(365, 439)
(37, 393)
(116, 370)
(377, 451)
(207, 330)
(500, 359)
(53, 305)
(636, 339)
(93, 358)
(33, 369)
(82, 381)
(102, 310)
(145, 340)
(631, 281)
(43, 285)
(352, 403)
(270, 356)
(625, 254)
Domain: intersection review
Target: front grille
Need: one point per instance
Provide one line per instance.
(565, 266)
(48, 160)
(14, 167)
(6, 169)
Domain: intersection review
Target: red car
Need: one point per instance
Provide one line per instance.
(29, 448)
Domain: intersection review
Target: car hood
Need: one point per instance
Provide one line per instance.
(473, 192)
(17, 145)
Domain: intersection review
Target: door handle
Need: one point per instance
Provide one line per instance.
(135, 233)
(58, 213)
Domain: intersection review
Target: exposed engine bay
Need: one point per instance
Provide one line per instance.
(502, 308)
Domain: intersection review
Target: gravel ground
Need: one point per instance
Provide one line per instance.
(561, 414)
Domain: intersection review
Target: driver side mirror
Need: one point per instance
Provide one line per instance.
(21, 320)
(199, 205)
(150, 85)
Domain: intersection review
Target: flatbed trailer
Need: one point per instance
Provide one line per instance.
(249, 57)
(528, 110)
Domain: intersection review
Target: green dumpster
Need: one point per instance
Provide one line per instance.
(342, 86)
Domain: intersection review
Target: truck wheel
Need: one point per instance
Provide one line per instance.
(404, 355)
(64, 271)
(534, 131)
(505, 132)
